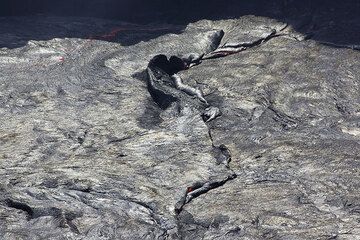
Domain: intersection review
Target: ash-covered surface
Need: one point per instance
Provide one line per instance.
(87, 153)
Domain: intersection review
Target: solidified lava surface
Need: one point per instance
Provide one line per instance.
(96, 143)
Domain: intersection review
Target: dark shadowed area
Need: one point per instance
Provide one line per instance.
(331, 22)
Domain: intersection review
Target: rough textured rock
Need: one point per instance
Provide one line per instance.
(86, 153)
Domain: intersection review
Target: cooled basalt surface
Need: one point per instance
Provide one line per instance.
(87, 153)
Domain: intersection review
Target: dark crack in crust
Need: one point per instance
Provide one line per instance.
(166, 87)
